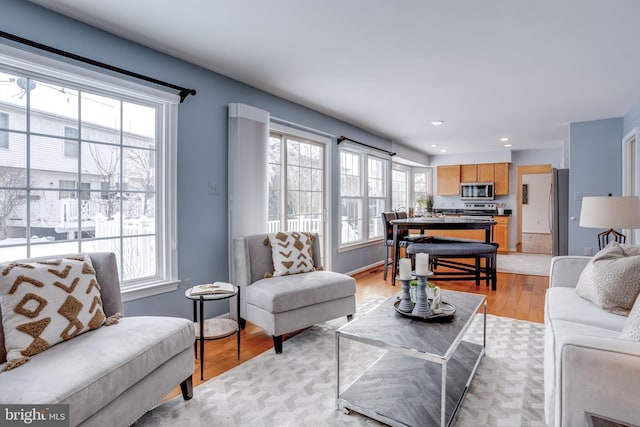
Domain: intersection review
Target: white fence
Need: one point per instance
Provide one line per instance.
(297, 224)
(138, 243)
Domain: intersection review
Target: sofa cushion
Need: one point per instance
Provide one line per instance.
(280, 294)
(90, 370)
(564, 304)
(631, 329)
(47, 302)
(291, 253)
(611, 280)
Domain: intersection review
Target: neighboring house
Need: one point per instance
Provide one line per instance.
(54, 206)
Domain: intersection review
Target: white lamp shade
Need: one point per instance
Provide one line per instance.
(610, 212)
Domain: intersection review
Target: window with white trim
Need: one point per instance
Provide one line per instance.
(421, 186)
(363, 195)
(99, 193)
(4, 136)
(71, 143)
(399, 188)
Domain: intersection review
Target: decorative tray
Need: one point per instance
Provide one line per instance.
(448, 310)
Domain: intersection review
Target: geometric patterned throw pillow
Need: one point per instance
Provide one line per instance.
(611, 279)
(291, 252)
(47, 302)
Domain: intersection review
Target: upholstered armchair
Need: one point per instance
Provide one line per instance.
(287, 303)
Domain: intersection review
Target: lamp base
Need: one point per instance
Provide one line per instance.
(603, 238)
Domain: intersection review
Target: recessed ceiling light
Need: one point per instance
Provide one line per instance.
(508, 145)
(504, 139)
(437, 122)
(443, 150)
(434, 145)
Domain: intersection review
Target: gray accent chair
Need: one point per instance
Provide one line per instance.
(112, 375)
(284, 304)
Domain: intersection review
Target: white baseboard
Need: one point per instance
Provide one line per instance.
(365, 268)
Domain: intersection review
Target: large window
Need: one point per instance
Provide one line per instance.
(296, 184)
(97, 192)
(363, 196)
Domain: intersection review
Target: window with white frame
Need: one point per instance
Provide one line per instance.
(420, 187)
(99, 192)
(400, 188)
(4, 136)
(71, 142)
(363, 195)
(296, 184)
(376, 194)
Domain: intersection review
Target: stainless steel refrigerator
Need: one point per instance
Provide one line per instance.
(558, 210)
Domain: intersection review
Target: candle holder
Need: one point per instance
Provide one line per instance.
(421, 308)
(405, 302)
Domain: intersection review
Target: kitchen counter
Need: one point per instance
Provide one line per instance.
(468, 212)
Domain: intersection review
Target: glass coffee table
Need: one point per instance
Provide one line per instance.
(404, 371)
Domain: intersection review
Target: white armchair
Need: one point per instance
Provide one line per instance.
(284, 304)
(587, 367)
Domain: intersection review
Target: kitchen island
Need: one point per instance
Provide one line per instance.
(438, 223)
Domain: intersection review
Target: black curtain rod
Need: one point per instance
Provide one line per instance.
(344, 138)
(184, 92)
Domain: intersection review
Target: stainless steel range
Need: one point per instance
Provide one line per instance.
(479, 210)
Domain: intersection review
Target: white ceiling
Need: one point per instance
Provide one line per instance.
(491, 68)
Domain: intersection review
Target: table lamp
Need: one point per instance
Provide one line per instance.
(610, 212)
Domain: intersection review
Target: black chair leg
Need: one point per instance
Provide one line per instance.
(494, 272)
(386, 262)
(186, 387)
(277, 344)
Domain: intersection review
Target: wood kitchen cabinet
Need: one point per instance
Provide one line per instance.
(449, 180)
(501, 233)
(483, 172)
(501, 179)
(486, 172)
(468, 173)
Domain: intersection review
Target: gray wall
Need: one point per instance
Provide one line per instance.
(595, 156)
(202, 145)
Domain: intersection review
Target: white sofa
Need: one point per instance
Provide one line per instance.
(587, 367)
(112, 375)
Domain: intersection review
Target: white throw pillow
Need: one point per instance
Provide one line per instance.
(47, 302)
(291, 253)
(631, 330)
(611, 279)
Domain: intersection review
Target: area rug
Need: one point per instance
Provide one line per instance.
(520, 263)
(297, 388)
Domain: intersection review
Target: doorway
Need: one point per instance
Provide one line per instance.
(533, 199)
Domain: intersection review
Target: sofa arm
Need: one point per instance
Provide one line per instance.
(597, 375)
(565, 270)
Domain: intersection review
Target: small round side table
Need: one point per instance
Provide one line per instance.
(214, 328)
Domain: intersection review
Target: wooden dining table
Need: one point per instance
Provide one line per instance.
(437, 223)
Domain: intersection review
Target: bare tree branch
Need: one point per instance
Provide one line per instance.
(10, 198)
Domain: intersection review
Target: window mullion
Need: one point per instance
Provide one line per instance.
(28, 170)
(284, 179)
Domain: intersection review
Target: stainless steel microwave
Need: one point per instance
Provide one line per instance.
(476, 191)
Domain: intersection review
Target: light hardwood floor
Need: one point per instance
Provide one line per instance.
(517, 296)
